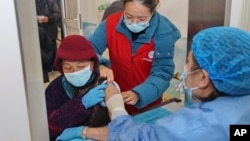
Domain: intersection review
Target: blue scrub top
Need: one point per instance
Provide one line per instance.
(206, 121)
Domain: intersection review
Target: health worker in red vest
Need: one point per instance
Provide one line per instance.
(140, 42)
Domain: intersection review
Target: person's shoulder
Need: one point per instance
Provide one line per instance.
(58, 78)
(57, 82)
(162, 20)
(164, 25)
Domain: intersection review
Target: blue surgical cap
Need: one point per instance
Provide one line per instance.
(224, 52)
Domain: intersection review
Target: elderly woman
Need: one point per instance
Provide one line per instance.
(73, 99)
(216, 77)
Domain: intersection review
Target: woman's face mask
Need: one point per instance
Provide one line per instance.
(136, 27)
(188, 91)
(79, 78)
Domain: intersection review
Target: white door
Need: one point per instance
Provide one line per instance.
(82, 16)
(71, 16)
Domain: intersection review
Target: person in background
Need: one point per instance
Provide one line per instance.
(216, 77)
(48, 16)
(116, 6)
(141, 49)
(60, 22)
(74, 98)
(47, 54)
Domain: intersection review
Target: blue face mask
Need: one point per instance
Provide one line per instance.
(136, 27)
(188, 91)
(79, 78)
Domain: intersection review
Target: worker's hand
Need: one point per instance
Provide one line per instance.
(70, 134)
(43, 19)
(94, 96)
(106, 72)
(130, 97)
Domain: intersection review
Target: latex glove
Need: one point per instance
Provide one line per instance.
(70, 134)
(116, 106)
(114, 101)
(94, 96)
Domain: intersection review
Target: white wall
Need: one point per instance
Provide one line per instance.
(93, 14)
(235, 14)
(240, 16)
(22, 104)
(13, 104)
(177, 12)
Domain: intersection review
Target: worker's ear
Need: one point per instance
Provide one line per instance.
(92, 65)
(204, 79)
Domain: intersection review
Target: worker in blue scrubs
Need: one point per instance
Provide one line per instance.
(216, 77)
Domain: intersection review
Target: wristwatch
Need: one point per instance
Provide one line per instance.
(84, 132)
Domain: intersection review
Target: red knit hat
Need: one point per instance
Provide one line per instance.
(75, 48)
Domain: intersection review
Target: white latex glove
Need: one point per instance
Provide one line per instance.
(116, 106)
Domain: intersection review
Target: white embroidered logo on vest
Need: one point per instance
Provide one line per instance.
(150, 56)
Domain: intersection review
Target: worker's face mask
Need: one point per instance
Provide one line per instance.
(136, 27)
(188, 91)
(79, 78)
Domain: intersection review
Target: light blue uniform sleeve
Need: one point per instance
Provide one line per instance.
(99, 42)
(123, 128)
(81, 139)
(208, 121)
(163, 66)
(173, 128)
(98, 38)
(103, 60)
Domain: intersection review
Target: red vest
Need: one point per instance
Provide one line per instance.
(129, 70)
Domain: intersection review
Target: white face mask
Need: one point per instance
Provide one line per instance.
(188, 91)
(136, 27)
(79, 78)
